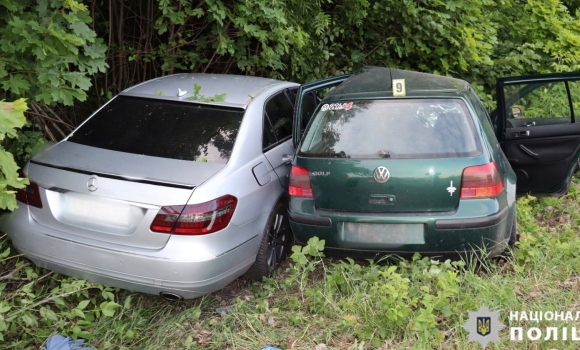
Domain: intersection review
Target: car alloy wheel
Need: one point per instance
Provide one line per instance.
(275, 243)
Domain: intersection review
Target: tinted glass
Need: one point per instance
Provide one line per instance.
(483, 116)
(291, 92)
(309, 103)
(268, 137)
(279, 110)
(537, 104)
(162, 129)
(410, 128)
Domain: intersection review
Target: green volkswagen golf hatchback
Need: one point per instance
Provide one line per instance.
(394, 161)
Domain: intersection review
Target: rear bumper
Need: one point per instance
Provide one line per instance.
(443, 224)
(486, 221)
(477, 225)
(173, 269)
(309, 220)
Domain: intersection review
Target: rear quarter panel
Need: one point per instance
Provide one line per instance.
(491, 143)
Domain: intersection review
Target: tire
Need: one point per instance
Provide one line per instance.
(276, 242)
(514, 232)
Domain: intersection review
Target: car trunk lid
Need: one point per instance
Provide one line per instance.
(95, 194)
(390, 155)
(381, 186)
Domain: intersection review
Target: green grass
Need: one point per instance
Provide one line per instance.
(343, 304)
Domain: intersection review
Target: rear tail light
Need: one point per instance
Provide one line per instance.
(195, 219)
(481, 181)
(299, 185)
(29, 195)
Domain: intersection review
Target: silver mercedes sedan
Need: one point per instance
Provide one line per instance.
(174, 187)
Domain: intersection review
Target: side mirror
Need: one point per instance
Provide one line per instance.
(516, 112)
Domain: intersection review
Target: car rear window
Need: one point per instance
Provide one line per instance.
(406, 128)
(159, 128)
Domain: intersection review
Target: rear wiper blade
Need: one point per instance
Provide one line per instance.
(340, 154)
(384, 153)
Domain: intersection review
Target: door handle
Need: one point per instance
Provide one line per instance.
(521, 133)
(287, 158)
(529, 152)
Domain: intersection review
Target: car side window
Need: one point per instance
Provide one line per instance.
(538, 103)
(480, 110)
(278, 118)
(268, 137)
(291, 93)
(309, 104)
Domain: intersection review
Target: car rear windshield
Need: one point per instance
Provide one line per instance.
(406, 128)
(178, 130)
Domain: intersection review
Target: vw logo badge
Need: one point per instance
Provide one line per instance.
(381, 174)
(93, 184)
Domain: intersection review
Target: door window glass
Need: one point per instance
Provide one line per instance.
(311, 99)
(485, 118)
(277, 119)
(292, 95)
(536, 104)
(268, 137)
(309, 104)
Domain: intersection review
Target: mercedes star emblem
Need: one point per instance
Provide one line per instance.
(93, 184)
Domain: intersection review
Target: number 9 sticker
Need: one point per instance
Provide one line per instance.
(399, 87)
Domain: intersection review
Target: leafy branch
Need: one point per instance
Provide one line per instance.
(47, 300)
(202, 98)
(12, 274)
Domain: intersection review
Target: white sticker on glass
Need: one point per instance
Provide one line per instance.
(336, 106)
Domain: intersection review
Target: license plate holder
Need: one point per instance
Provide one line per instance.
(383, 234)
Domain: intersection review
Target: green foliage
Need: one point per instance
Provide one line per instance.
(202, 98)
(479, 41)
(43, 304)
(255, 34)
(562, 239)
(547, 100)
(27, 144)
(313, 248)
(400, 299)
(48, 51)
(297, 40)
(11, 119)
(36, 303)
(553, 33)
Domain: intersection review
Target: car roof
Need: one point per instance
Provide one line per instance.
(239, 90)
(376, 82)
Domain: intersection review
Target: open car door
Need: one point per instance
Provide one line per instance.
(538, 125)
(307, 99)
